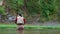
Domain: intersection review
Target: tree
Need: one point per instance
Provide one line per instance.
(47, 9)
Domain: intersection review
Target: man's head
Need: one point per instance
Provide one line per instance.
(20, 15)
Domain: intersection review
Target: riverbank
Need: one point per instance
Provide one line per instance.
(29, 26)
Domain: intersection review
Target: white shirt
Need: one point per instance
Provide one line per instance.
(20, 19)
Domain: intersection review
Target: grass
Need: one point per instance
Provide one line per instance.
(29, 29)
(29, 26)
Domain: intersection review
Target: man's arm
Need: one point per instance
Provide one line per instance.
(15, 20)
(24, 21)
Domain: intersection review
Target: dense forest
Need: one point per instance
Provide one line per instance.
(36, 10)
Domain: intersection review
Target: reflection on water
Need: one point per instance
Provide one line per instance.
(30, 31)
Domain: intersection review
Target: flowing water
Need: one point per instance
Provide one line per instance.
(30, 31)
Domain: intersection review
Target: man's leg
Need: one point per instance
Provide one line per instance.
(20, 29)
(20, 32)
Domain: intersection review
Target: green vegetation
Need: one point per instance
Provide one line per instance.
(29, 26)
(15, 5)
(2, 10)
(30, 31)
(47, 9)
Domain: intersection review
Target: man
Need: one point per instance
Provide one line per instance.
(20, 21)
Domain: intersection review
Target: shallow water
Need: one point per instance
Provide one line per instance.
(30, 31)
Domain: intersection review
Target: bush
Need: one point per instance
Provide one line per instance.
(2, 11)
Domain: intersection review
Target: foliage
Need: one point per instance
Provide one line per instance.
(47, 9)
(2, 11)
(33, 6)
(15, 4)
